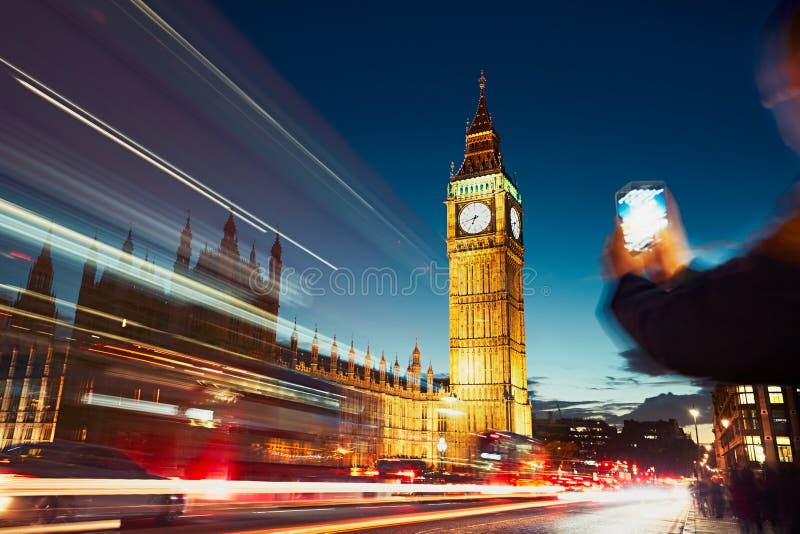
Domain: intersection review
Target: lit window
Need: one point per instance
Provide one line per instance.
(749, 419)
(775, 394)
(784, 448)
(746, 395)
(755, 451)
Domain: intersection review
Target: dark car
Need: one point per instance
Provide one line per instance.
(406, 470)
(77, 460)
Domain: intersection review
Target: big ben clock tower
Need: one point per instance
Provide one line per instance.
(485, 236)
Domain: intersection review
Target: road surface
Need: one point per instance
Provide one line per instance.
(624, 513)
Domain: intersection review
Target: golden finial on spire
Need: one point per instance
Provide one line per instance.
(482, 81)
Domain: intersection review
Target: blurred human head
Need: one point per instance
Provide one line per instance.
(778, 69)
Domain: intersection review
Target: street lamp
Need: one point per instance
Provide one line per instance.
(694, 412)
(441, 446)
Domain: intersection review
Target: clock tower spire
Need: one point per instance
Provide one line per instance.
(482, 152)
(487, 325)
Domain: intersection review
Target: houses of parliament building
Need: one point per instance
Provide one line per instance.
(191, 380)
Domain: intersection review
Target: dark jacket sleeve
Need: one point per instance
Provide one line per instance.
(737, 322)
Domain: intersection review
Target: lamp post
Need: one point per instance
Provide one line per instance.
(441, 446)
(508, 395)
(694, 413)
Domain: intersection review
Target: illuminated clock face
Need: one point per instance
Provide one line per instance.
(475, 217)
(516, 223)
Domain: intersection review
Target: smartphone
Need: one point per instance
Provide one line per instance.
(642, 211)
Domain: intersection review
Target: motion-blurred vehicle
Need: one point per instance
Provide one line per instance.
(404, 470)
(67, 459)
(509, 458)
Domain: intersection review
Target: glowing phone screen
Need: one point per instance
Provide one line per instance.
(642, 209)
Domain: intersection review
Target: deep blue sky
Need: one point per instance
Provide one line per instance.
(586, 96)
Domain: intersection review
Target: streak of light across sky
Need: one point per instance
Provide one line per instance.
(22, 222)
(126, 142)
(186, 45)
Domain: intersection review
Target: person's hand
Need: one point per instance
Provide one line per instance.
(670, 252)
(617, 260)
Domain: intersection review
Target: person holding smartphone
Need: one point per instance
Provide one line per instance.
(739, 321)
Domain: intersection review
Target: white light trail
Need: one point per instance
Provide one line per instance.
(134, 405)
(74, 110)
(92, 486)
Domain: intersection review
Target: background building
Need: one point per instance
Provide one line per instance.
(31, 382)
(32, 365)
(132, 301)
(591, 437)
(36, 305)
(755, 425)
(662, 445)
